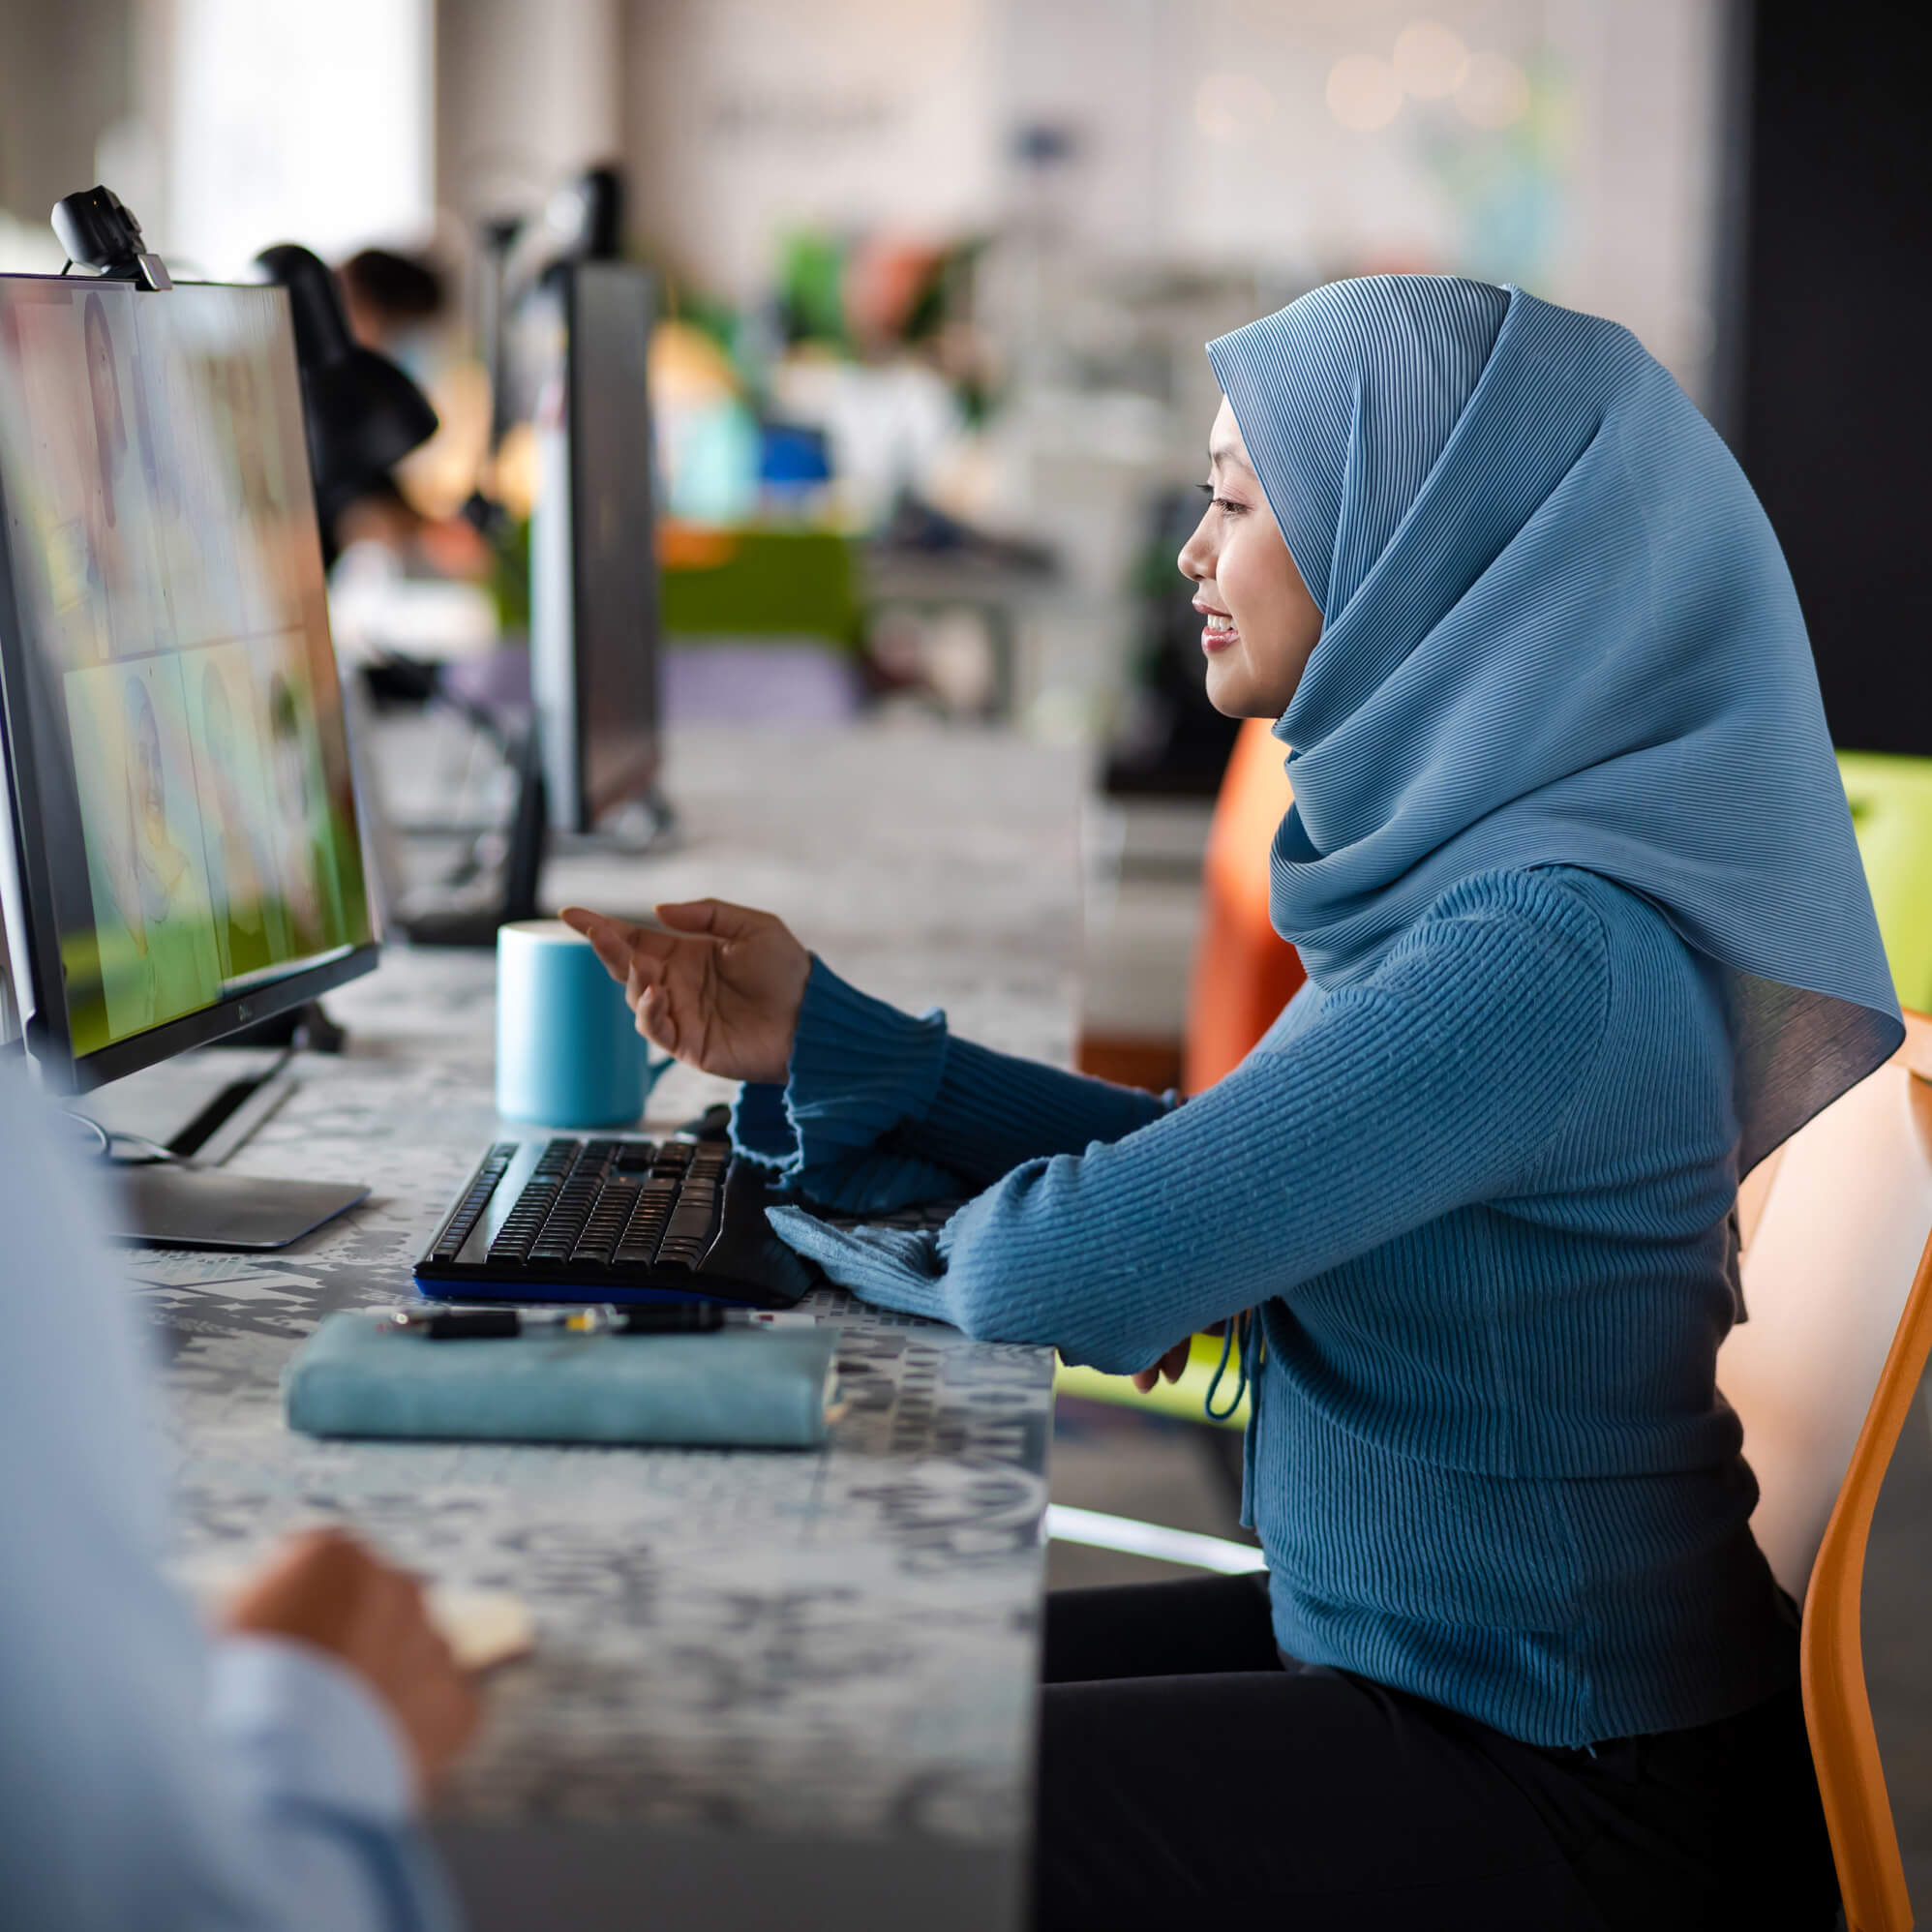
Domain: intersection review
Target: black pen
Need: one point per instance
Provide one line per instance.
(488, 1324)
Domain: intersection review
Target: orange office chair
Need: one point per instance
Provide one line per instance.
(1838, 1284)
(1244, 972)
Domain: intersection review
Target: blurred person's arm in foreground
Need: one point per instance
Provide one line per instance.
(154, 1776)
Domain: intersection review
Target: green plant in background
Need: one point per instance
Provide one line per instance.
(710, 317)
(812, 297)
(682, 302)
(811, 288)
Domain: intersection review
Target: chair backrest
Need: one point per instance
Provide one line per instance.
(1833, 1226)
(1838, 1284)
(1245, 972)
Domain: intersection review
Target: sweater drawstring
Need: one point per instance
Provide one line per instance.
(1245, 1329)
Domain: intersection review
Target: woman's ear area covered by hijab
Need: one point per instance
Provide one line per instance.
(1259, 622)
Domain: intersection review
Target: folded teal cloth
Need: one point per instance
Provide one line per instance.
(751, 1388)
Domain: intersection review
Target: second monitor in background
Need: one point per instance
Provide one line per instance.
(594, 555)
(588, 764)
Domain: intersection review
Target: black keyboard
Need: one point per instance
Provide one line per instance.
(616, 1219)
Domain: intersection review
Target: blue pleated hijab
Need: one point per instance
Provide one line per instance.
(1558, 630)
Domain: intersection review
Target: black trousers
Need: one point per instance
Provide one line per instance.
(1187, 1768)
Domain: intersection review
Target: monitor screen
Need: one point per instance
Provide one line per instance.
(174, 711)
(594, 602)
(616, 548)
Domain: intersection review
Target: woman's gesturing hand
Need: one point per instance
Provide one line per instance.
(721, 988)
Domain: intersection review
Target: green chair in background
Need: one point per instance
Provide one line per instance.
(761, 583)
(1185, 1400)
(762, 624)
(1218, 1438)
(1892, 815)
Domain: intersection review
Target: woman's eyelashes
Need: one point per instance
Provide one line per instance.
(1227, 505)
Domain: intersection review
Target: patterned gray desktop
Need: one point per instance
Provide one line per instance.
(837, 1648)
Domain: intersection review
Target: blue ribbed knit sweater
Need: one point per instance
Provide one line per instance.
(1480, 1199)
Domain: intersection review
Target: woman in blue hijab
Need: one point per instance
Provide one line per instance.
(1574, 880)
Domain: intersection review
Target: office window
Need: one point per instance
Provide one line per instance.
(295, 120)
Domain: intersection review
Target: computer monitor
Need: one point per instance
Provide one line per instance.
(183, 822)
(594, 556)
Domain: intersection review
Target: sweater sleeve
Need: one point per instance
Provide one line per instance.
(880, 1108)
(1432, 1083)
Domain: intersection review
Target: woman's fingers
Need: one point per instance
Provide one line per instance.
(655, 1019)
(645, 994)
(715, 919)
(642, 974)
(694, 993)
(1171, 1366)
(617, 942)
(610, 938)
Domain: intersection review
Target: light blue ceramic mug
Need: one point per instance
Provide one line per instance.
(568, 1052)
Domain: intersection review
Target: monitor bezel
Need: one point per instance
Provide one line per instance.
(48, 1036)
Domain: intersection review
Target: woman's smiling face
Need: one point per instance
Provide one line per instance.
(1260, 623)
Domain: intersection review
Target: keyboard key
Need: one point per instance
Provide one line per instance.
(524, 1222)
(638, 1245)
(632, 1207)
(470, 1210)
(606, 1222)
(689, 1232)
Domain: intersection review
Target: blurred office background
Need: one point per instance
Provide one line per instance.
(969, 248)
(935, 281)
(930, 395)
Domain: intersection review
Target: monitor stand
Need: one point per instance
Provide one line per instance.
(175, 1204)
(646, 824)
(179, 1195)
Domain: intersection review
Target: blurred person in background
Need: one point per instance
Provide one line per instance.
(1572, 873)
(397, 305)
(266, 1779)
(394, 303)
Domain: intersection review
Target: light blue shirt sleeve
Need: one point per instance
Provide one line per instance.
(148, 1775)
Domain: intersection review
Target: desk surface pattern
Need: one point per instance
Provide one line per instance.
(839, 1644)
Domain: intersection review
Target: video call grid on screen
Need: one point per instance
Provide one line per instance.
(168, 577)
